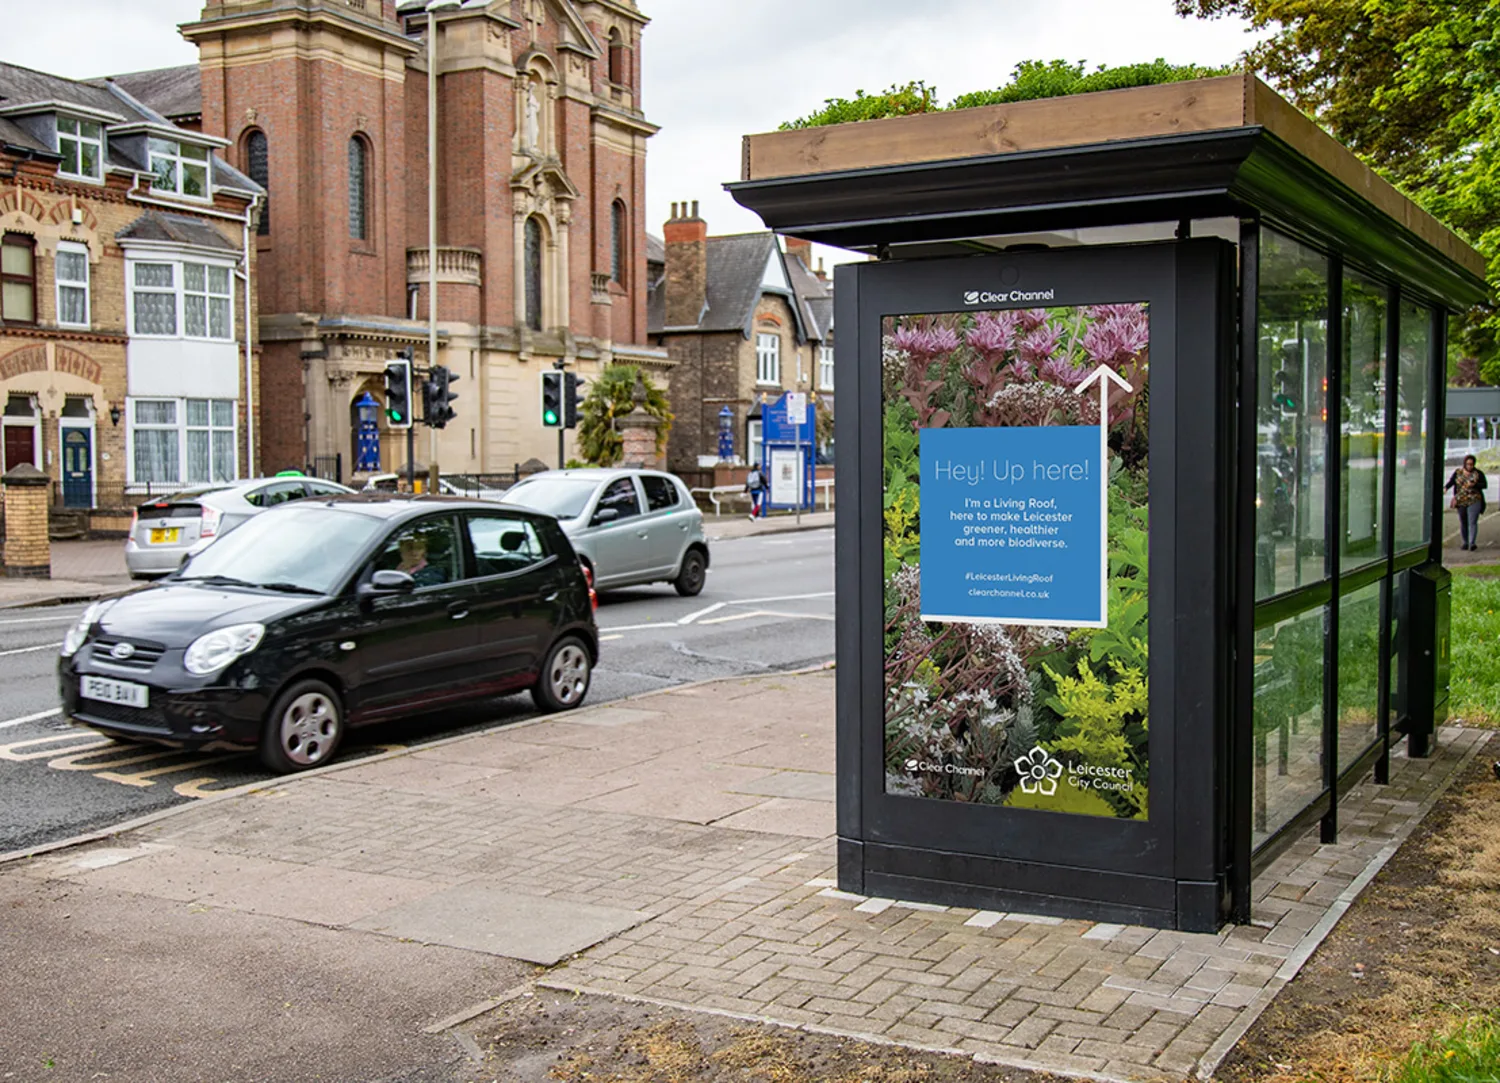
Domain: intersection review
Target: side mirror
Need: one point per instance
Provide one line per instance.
(604, 515)
(390, 581)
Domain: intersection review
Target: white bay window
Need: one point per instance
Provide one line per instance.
(182, 441)
(71, 270)
(181, 300)
(768, 359)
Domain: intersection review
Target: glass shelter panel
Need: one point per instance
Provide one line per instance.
(1412, 524)
(1362, 421)
(1359, 671)
(1291, 444)
(1288, 763)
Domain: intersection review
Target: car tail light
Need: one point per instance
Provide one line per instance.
(135, 517)
(588, 577)
(210, 525)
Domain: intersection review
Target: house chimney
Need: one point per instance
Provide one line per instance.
(822, 274)
(686, 236)
(796, 246)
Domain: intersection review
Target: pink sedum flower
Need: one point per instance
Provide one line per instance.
(925, 343)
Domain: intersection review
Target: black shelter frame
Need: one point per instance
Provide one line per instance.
(1209, 608)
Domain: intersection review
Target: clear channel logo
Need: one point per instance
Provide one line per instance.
(988, 297)
(916, 766)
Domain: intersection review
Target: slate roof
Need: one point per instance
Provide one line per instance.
(656, 249)
(176, 228)
(24, 86)
(176, 93)
(736, 266)
(13, 135)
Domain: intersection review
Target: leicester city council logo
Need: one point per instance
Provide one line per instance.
(1039, 772)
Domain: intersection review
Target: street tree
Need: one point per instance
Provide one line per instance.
(611, 396)
(1414, 87)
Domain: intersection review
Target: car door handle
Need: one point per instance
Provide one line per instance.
(551, 597)
(458, 610)
(641, 534)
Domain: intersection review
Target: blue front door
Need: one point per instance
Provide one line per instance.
(78, 468)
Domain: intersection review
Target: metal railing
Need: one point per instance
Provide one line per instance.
(719, 495)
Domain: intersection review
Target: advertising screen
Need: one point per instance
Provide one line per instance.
(1016, 548)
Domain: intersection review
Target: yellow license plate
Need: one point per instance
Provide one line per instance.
(166, 535)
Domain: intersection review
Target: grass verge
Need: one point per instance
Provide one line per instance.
(1469, 1053)
(1476, 645)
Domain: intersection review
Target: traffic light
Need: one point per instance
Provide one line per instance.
(398, 393)
(436, 395)
(571, 384)
(552, 400)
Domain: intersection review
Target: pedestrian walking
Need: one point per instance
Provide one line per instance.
(1468, 484)
(755, 485)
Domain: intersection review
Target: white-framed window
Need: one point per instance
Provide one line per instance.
(825, 368)
(81, 144)
(182, 441)
(768, 359)
(179, 168)
(71, 271)
(169, 299)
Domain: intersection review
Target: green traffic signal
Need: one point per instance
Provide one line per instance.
(550, 417)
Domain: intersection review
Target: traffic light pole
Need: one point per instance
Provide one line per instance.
(560, 451)
(411, 455)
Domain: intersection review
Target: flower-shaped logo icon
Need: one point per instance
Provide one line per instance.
(1039, 772)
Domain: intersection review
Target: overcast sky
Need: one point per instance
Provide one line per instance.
(716, 70)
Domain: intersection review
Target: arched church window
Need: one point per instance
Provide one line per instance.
(533, 260)
(617, 241)
(359, 189)
(617, 59)
(257, 161)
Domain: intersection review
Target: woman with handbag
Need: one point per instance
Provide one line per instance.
(1468, 484)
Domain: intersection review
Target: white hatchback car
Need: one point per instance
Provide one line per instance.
(628, 526)
(165, 529)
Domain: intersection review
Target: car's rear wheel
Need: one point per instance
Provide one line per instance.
(564, 680)
(304, 728)
(693, 574)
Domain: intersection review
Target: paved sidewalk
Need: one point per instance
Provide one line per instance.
(718, 528)
(678, 848)
(81, 571)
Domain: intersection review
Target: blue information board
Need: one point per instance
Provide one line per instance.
(1013, 525)
(783, 444)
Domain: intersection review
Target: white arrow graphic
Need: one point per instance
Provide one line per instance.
(1104, 374)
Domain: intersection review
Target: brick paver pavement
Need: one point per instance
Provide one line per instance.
(710, 809)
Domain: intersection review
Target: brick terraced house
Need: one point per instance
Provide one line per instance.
(127, 275)
(743, 322)
(540, 194)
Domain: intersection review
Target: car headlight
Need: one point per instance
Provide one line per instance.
(78, 634)
(212, 652)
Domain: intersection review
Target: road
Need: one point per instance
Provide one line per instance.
(768, 605)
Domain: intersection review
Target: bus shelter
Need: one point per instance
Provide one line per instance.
(1140, 467)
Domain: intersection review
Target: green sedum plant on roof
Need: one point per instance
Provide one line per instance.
(1029, 81)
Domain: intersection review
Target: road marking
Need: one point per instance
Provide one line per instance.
(738, 616)
(637, 627)
(606, 639)
(782, 598)
(9, 722)
(13, 751)
(28, 650)
(43, 620)
(702, 613)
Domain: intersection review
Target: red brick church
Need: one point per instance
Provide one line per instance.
(541, 172)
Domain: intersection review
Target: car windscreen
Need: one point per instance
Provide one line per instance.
(563, 497)
(296, 547)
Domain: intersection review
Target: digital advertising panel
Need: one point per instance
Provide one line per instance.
(1015, 545)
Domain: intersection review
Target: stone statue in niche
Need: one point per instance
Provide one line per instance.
(532, 132)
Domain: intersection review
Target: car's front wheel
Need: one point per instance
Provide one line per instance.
(564, 679)
(693, 574)
(304, 729)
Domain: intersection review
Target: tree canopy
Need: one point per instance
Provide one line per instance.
(611, 396)
(1414, 87)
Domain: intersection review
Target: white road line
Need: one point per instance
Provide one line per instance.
(43, 620)
(637, 627)
(604, 639)
(9, 722)
(28, 650)
(702, 613)
(782, 598)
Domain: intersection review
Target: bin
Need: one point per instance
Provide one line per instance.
(1426, 655)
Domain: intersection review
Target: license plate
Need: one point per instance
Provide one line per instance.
(166, 535)
(107, 691)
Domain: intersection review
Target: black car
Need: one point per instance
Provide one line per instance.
(313, 617)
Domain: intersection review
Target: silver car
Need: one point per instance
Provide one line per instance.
(166, 528)
(628, 526)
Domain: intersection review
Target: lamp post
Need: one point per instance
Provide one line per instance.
(433, 7)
